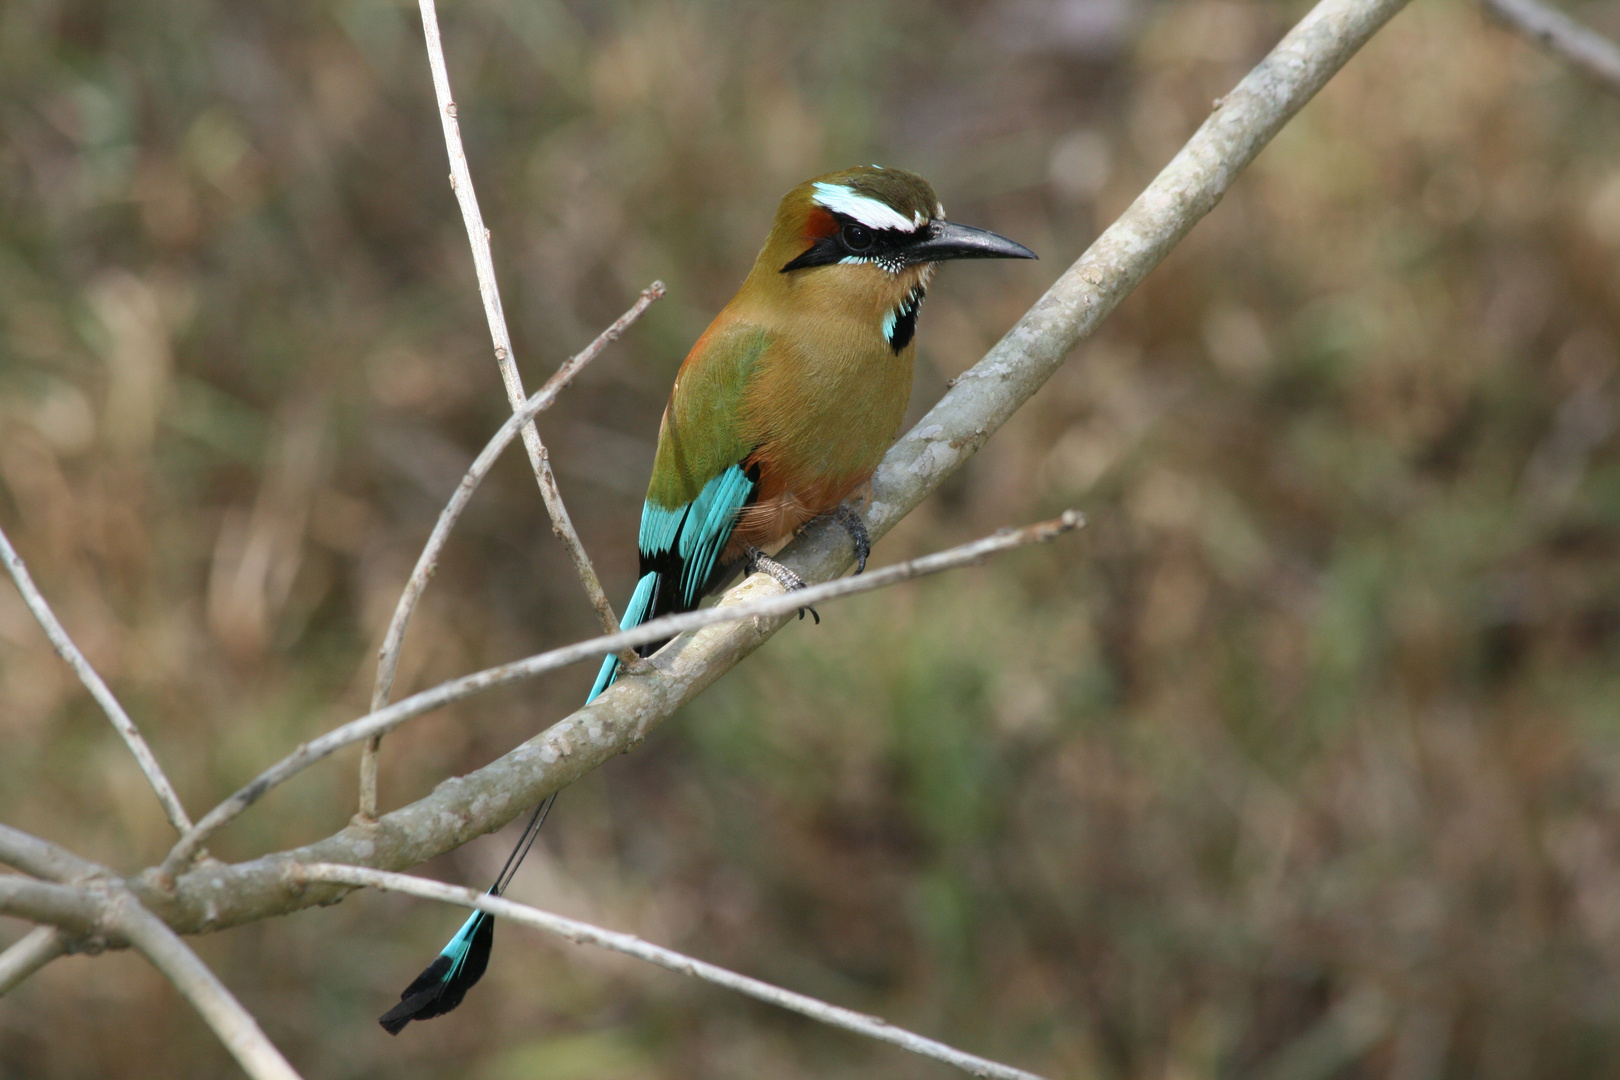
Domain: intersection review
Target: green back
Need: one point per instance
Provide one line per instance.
(704, 432)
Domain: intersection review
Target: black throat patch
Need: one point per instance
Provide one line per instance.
(900, 325)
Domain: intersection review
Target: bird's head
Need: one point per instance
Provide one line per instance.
(868, 216)
(865, 238)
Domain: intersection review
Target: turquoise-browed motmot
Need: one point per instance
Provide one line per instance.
(779, 414)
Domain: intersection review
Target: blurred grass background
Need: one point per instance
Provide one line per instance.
(1302, 763)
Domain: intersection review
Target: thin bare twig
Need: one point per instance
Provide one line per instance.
(1558, 33)
(780, 604)
(484, 266)
(70, 907)
(427, 562)
(81, 667)
(43, 859)
(584, 933)
(218, 1007)
(28, 954)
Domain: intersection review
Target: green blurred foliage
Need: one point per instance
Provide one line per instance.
(1302, 763)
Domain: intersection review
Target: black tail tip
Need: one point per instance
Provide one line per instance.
(394, 1020)
(438, 990)
(423, 999)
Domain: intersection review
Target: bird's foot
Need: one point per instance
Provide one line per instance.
(757, 560)
(853, 524)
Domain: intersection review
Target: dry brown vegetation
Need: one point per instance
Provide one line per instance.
(1303, 764)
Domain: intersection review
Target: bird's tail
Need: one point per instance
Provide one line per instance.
(635, 613)
(462, 961)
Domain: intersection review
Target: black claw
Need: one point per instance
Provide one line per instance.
(812, 612)
(852, 523)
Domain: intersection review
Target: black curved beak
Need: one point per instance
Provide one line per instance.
(942, 240)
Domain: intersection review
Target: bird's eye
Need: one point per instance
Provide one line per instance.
(856, 237)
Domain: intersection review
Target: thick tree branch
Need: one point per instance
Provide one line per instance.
(584, 933)
(213, 895)
(373, 725)
(81, 667)
(1558, 33)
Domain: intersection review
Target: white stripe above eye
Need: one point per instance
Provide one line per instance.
(863, 208)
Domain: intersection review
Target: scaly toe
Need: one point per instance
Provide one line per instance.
(756, 561)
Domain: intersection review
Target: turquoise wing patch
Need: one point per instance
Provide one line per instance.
(708, 527)
(697, 532)
(678, 549)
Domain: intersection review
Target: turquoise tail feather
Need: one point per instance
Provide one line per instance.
(635, 613)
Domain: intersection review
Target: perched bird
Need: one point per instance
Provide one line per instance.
(779, 414)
